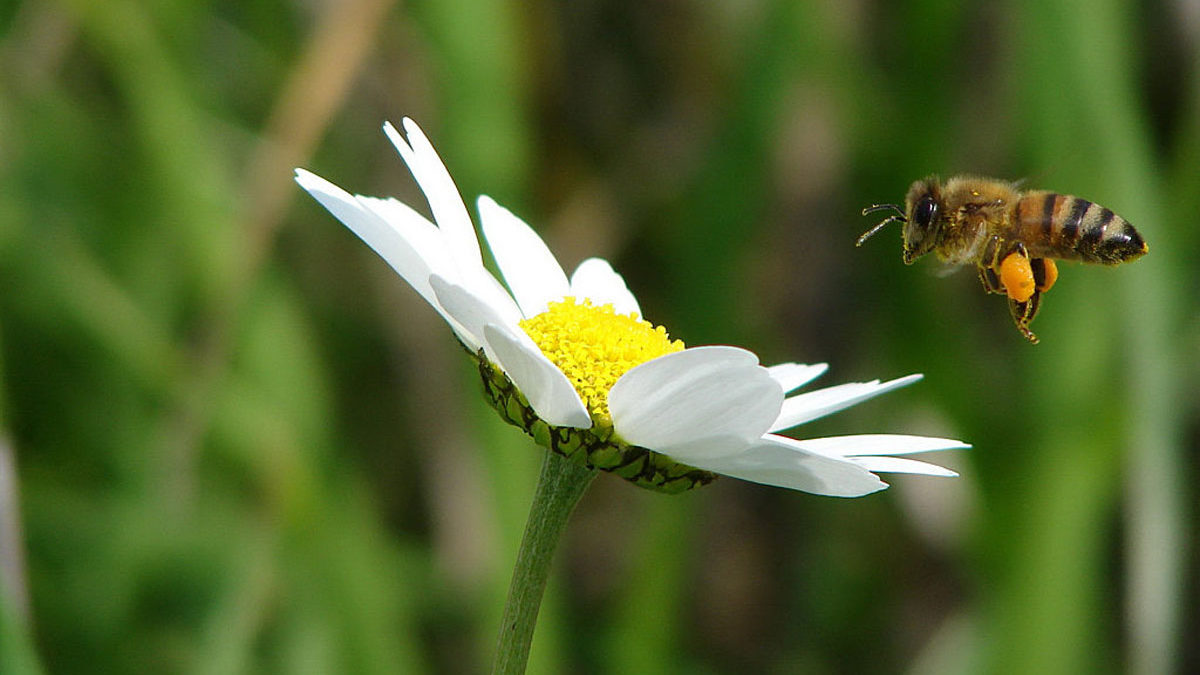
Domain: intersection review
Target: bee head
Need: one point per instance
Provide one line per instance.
(922, 219)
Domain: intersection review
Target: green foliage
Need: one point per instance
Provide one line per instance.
(242, 445)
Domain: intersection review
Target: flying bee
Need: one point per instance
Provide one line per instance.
(1012, 237)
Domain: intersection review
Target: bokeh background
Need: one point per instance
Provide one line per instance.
(235, 442)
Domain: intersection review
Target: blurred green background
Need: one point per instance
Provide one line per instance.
(232, 441)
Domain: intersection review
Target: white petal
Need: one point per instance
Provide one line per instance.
(444, 199)
(425, 239)
(480, 282)
(414, 250)
(879, 444)
(773, 462)
(695, 403)
(529, 268)
(389, 242)
(792, 376)
(471, 311)
(547, 389)
(900, 465)
(596, 280)
(806, 407)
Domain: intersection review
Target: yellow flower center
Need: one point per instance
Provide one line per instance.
(595, 346)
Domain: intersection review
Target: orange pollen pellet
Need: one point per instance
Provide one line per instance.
(1017, 276)
(1051, 275)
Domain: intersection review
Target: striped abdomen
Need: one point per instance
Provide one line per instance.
(1067, 227)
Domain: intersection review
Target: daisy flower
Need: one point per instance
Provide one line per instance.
(571, 361)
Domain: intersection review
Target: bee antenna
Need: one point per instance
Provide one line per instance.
(897, 217)
(883, 207)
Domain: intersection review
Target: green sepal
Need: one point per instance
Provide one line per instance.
(595, 448)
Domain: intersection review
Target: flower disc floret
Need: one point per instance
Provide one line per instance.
(594, 346)
(597, 447)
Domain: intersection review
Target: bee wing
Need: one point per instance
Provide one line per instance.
(945, 269)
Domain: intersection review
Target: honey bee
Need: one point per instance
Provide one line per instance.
(1012, 237)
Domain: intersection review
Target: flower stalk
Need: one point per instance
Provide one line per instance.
(560, 486)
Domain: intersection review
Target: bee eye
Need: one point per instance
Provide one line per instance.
(925, 212)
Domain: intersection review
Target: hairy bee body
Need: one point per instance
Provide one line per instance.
(1012, 236)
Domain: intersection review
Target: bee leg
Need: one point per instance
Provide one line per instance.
(990, 280)
(1045, 273)
(1023, 313)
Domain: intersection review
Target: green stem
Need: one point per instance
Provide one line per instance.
(559, 488)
